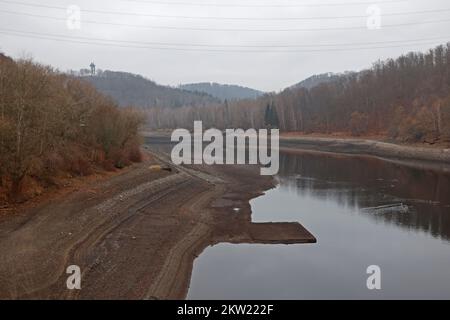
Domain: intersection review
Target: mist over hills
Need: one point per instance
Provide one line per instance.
(223, 91)
(132, 89)
(317, 79)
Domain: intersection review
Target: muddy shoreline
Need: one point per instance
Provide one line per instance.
(136, 235)
(353, 146)
(438, 158)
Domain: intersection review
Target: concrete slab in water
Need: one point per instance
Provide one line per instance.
(280, 232)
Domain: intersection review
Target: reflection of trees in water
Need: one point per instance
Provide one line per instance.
(361, 182)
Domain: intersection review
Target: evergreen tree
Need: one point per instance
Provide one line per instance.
(271, 116)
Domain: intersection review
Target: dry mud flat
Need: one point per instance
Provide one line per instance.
(136, 235)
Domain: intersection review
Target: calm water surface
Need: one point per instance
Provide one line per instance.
(341, 200)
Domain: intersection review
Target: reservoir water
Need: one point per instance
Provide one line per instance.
(363, 211)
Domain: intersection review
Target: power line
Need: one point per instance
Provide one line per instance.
(329, 4)
(226, 29)
(115, 43)
(140, 14)
(232, 45)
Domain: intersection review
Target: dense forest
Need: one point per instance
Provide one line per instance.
(53, 125)
(131, 89)
(407, 99)
(223, 91)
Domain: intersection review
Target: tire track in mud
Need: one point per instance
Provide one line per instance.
(165, 283)
(98, 236)
(173, 280)
(172, 216)
(73, 254)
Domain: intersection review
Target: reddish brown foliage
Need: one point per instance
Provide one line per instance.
(51, 124)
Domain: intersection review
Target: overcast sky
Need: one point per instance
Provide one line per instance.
(263, 44)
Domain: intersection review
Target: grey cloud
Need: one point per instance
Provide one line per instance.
(261, 70)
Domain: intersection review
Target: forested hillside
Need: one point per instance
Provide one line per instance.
(317, 79)
(53, 125)
(131, 89)
(407, 99)
(223, 91)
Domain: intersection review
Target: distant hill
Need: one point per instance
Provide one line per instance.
(5, 58)
(131, 89)
(223, 91)
(317, 79)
